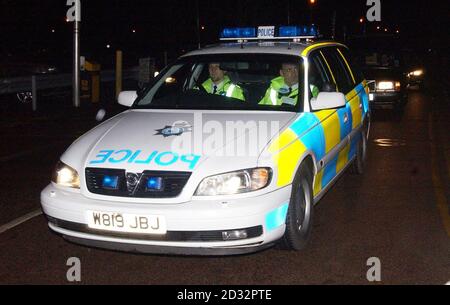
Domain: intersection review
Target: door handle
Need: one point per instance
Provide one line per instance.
(346, 118)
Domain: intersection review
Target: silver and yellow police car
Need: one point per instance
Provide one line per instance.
(226, 152)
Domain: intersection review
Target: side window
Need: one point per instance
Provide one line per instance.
(171, 85)
(351, 60)
(343, 78)
(319, 76)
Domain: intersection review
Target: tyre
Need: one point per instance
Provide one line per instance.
(300, 215)
(359, 163)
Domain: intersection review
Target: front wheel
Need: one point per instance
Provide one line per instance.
(300, 213)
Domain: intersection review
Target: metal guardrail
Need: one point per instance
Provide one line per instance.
(53, 81)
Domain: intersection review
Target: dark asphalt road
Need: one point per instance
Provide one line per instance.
(397, 212)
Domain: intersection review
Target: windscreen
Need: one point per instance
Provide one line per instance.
(228, 82)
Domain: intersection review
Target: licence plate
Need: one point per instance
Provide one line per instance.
(127, 223)
(371, 97)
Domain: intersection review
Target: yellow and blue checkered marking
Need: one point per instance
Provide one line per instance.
(320, 133)
(277, 217)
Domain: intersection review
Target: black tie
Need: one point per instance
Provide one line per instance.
(215, 89)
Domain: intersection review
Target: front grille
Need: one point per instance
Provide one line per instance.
(173, 183)
(171, 236)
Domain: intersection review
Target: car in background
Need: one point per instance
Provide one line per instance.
(416, 77)
(414, 68)
(381, 61)
(26, 65)
(387, 82)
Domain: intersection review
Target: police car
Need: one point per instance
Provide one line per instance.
(191, 171)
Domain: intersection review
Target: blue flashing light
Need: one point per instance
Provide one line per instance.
(297, 31)
(238, 33)
(111, 182)
(288, 31)
(154, 183)
(313, 30)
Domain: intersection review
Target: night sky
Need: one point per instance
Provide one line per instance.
(169, 25)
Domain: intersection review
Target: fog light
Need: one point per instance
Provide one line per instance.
(234, 235)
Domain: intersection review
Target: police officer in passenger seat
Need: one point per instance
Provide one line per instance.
(220, 84)
(284, 89)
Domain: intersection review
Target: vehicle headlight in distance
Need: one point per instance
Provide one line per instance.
(66, 176)
(417, 73)
(385, 86)
(51, 69)
(239, 182)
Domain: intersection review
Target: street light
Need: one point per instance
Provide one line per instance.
(364, 25)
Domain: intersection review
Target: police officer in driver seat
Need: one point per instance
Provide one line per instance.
(285, 88)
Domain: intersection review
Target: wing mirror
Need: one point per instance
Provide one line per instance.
(328, 100)
(127, 98)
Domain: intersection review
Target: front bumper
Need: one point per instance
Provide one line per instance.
(385, 99)
(193, 228)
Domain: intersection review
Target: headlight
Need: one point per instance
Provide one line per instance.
(66, 176)
(235, 183)
(385, 86)
(417, 73)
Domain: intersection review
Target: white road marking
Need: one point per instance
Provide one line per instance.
(20, 221)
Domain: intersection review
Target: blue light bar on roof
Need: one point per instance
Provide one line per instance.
(269, 33)
(238, 33)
